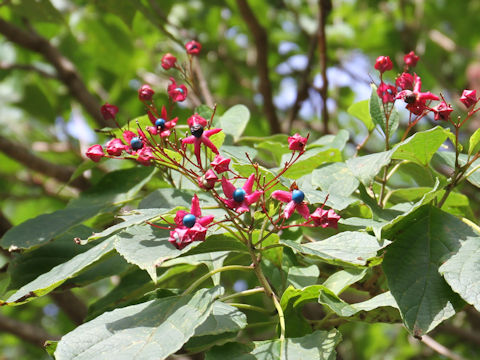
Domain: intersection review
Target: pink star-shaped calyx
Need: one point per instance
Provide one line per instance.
(240, 199)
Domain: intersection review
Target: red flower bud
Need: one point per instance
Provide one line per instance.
(220, 164)
(95, 152)
(208, 180)
(145, 93)
(469, 98)
(193, 47)
(168, 61)
(109, 111)
(296, 142)
(411, 59)
(405, 81)
(383, 63)
(115, 147)
(442, 111)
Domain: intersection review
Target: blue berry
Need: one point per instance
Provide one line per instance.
(160, 123)
(239, 195)
(179, 90)
(297, 196)
(197, 130)
(189, 220)
(136, 143)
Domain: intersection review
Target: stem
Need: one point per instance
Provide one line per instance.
(268, 289)
(213, 272)
(249, 307)
(243, 293)
(384, 183)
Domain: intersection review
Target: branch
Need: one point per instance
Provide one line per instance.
(439, 348)
(5, 225)
(27, 67)
(67, 73)
(325, 6)
(24, 156)
(75, 308)
(31, 333)
(304, 83)
(261, 45)
(202, 83)
(464, 334)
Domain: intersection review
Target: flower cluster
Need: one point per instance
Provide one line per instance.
(408, 87)
(197, 158)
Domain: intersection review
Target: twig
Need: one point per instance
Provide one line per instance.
(202, 83)
(27, 67)
(5, 225)
(464, 334)
(66, 70)
(71, 305)
(325, 7)
(23, 155)
(303, 83)
(439, 348)
(31, 333)
(261, 44)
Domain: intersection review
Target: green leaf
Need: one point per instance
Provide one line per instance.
(448, 158)
(421, 146)
(342, 279)
(235, 120)
(134, 217)
(231, 350)
(222, 325)
(45, 283)
(335, 179)
(381, 308)
(147, 247)
(346, 247)
(154, 329)
(113, 189)
(212, 259)
(378, 115)
(412, 262)
(362, 112)
(462, 268)
(301, 277)
(337, 141)
(309, 161)
(171, 198)
(27, 266)
(132, 286)
(317, 345)
(365, 168)
(237, 153)
(474, 143)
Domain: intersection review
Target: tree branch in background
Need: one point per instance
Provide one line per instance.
(75, 308)
(31, 333)
(325, 6)
(261, 45)
(24, 156)
(5, 225)
(66, 71)
(304, 82)
(202, 83)
(467, 335)
(27, 67)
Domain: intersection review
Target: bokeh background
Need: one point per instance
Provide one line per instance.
(296, 64)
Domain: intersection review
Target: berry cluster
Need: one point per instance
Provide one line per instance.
(161, 145)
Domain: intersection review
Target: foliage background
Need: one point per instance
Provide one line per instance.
(115, 46)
